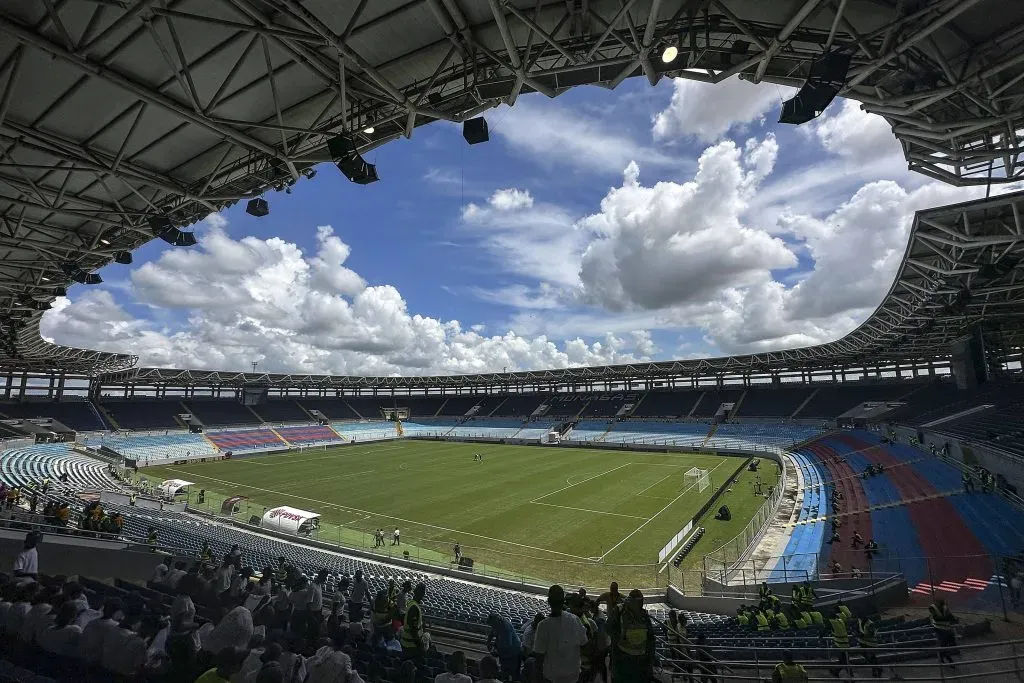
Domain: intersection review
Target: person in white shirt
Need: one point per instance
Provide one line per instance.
(161, 570)
(20, 609)
(315, 605)
(62, 637)
(173, 576)
(529, 631)
(488, 670)
(396, 538)
(558, 640)
(456, 672)
(74, 594)
(39, 617)
(26, 564)
(358, 595)
(95, 634)
(222, 577)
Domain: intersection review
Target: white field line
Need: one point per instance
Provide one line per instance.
(654, 484)
(295, 454)
(547, 495)
(377, 514)
(596, 512)
(656, 514)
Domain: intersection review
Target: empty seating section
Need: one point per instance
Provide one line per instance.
(755, 435)
(460, 405)
(589, 430)
(1003, 427)
(421, 405)
(282, 410)
(608, 405)
(488, 427)
(308, 434)
(365, 431)
(141, 414)
(246, 439)
(565, 405)
(222, 411)
(713, 399)
(781, 401)
(799, 561)
(77, 415)
(536, 430)
(832, 400)
(31, 464)
(333, 408)
(148, 448)
(368, 408)
(666, 404)
(667, 433)
(518, 405)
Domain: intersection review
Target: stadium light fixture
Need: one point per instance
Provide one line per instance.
(669, 54)
(369, 130)
(258, 207)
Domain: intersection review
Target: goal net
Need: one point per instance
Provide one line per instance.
(697, 477)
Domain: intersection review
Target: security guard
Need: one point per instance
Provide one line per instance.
(943, 621)
(789, 671)
(761, 619)
(841, 641)
(741, 616)
(206, 554)
(415, 639)
(867, 637)
(588, 651)
(382, 611)
(797, 598)
(281, 571)
(844, 610)
(764, 591)
(632, 641)
(781, 621)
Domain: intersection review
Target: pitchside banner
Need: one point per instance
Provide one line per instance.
(676, 540)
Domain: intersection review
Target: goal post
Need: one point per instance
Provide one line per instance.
(697, 477)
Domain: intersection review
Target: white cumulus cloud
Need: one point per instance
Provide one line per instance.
(707, 112)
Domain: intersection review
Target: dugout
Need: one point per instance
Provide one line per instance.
(171, 488)
(291, 520)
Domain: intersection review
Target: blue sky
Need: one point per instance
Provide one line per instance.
(674, 221)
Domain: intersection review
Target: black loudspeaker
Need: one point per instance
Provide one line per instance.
(254, 520)
(257, 207)
(123, 257)
(828, 74)
(347, 158)
(724, 513)
(475, 130)
(195, 429)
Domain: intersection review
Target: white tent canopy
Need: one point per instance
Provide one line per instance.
(171, 487)
(290, 520)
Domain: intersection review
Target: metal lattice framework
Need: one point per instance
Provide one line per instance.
(114, 111)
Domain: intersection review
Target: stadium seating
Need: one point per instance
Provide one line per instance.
(590, 430)
(29, 465)
(143, 414)
(246, 439)
(666, 403)
(459, 405)
(78, 415)
(282, 410)
(712, 399)
(608, 405)
(1002, 427)
(365, 431)
(368, 408)
(153, 447)
(221, 412)
(756, 435)
(667, 433)
(832, 400)
(333, 408)
(521, 405)
(421, 405)
(308, 434)
(773, 401)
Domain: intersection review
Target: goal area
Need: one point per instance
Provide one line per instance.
(697, 477)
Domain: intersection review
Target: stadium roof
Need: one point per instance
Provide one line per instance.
(116, 111)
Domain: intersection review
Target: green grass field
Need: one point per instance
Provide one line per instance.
(580, 516)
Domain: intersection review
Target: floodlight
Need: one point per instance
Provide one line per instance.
(369, 130)
(670, 53)
(257, 207)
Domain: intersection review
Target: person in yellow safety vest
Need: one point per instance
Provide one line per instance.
(797, 597)
(281, 571)
(943, 621)
(789, 671)
(775, 602)
(206, 554)
(867, 638)
(841, 641)
(799, 619)
(817, 618)
(632, 637)
(764, 592)
(415, 639)
(677, 639)
(781, 621)
(741, 615)
(809, 595)
(844, 610)
(761, 620)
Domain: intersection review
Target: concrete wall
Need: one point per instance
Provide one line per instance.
(74, 555)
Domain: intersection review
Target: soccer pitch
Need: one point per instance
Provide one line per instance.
(581, 516)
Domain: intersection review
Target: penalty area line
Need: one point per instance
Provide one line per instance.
(596, 512)
(582, 481)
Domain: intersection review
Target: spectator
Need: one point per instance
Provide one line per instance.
(506, 644)
(315, 605)
(38, 618)
(61, 638)
(530, 631)
(407, 673)
(358, 596)
(456, 670)
(124, 651)
(174, 575)
(331, 665)
(489, 671)
(789, 671)
(20, 608)
(293, 664)
(94, 635)
(193, 585)
(558, 640)
(254, 662)
(233, 632)
(26, 564)
(161, 571)
(228, 662)
(632, 636)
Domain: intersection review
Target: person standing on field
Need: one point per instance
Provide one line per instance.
(395, 538)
